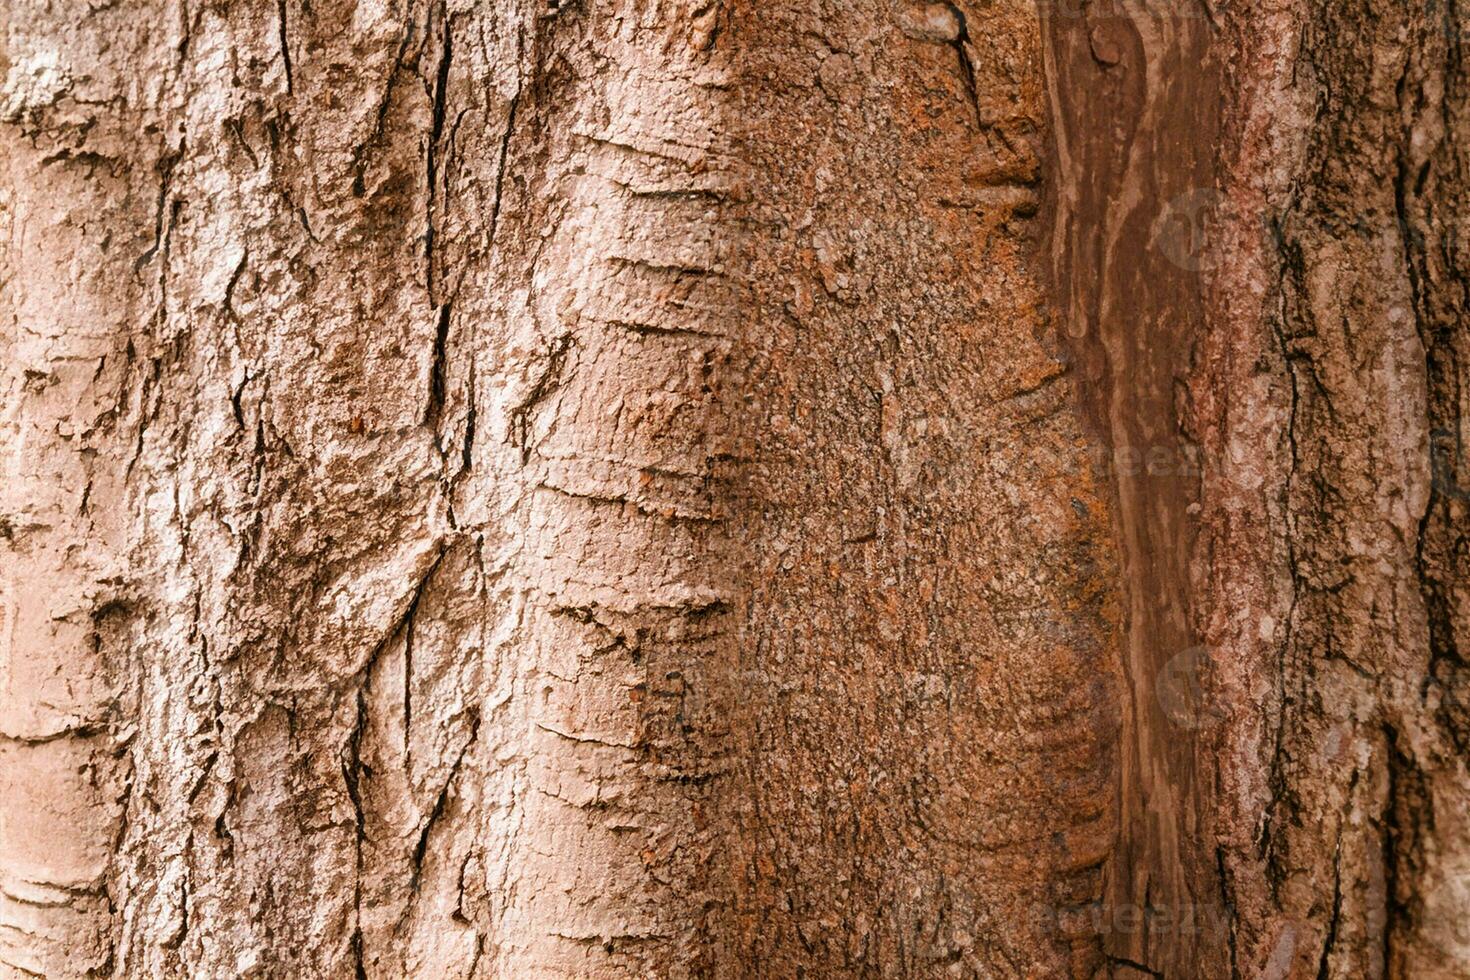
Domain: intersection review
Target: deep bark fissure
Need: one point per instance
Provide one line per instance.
(502, 161)
(546, 383)
(967, 68)
(438, 369)
(435, 187)
(441, 799)
(284, 39)
(352, 773)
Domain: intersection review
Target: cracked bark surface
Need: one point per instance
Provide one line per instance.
(543, 470)
(609, 488)
(1347, 843)
(1281, 298)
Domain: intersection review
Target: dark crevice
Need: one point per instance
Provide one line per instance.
(285, 45)
(229, 300)
(467, 450)
(510, 126)
(352, 773)
(967, 67)
(437, 368)
(406, 628)
(1227, 895)
(1135, 966)
(165, 180)
(1324, 963)
(433, 163)
(359, 153)
(1408, 810)
(441, 801)
(1436, 330)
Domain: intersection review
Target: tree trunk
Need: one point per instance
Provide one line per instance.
(702, 488)
(1262, 263)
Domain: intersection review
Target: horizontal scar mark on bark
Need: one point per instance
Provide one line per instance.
(23, 971)
(694, 159)
(82, 731)
(668, 512)
(1038, 386)
(62, 895)
(667, 268)
(608, 942)
(584, 738)
(644, 329)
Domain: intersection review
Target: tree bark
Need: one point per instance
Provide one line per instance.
(1261, 259)
(698, 488)
(1345, 840)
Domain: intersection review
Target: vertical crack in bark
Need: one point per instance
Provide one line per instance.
(228, 304)
(1227, 893)
(1324, 962)
(436, 159)
(961, 44)
(433, 163)
(385, 102)
(1414, 236)
(1408, 812)
(440, 801)
(406, 628)
(165, 180)
(502, 162)
(1277, 776)
(1436, 333)
(471, 420)
(283, 36)
(434, 409)
(352, 770)
(1353, 152)
(352, 767)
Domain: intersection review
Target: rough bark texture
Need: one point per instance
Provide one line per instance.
(1259, 245)
(1334, 562)
(545, 492)
(711, 488)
